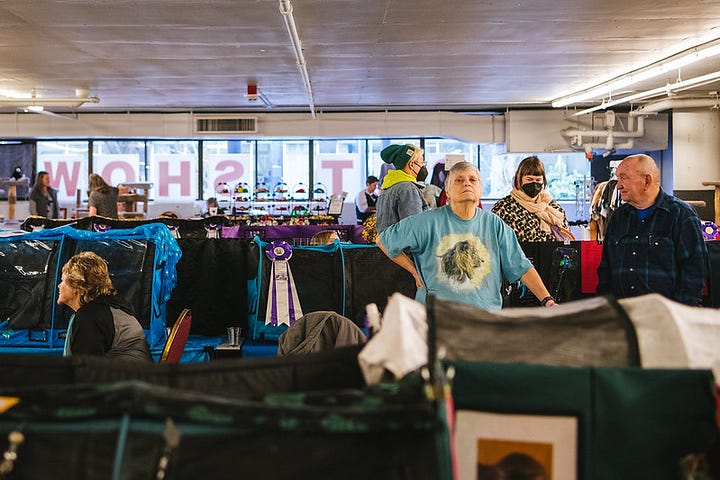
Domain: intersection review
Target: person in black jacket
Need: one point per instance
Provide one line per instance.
(43, 198)
(103, 323)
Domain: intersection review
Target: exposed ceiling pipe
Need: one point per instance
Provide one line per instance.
(676, 103)
(575, 132)
(286, 9)
(575, 135)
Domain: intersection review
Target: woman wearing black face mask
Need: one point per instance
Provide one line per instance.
(529, 209)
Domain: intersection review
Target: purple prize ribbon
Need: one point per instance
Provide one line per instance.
(278, 250)
(709, 230)
(101, 227)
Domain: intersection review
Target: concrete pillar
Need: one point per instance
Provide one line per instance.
(696, 156)
(696, 149)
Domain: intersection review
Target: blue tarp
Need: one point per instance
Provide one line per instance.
(30, 270)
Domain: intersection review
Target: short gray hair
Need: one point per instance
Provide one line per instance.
(461, 167)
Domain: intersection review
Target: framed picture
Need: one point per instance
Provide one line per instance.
(491, 446)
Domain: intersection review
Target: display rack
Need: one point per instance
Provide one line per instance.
(280, 201)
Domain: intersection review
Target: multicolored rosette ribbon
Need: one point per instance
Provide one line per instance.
(709, 230)
(283, 304)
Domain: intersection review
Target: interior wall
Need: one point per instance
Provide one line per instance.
(531, 131)
(522, 131)
(696, 148)
(466, 127)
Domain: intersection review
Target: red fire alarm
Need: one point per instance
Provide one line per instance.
(252, 92)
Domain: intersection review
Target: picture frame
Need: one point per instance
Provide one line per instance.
(489, 444)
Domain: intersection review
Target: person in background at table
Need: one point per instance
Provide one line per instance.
(326, 237)
(529, 209)
(460, 252)
(103, 323)
(402, 194)
(43, 198)
(102, 198)
(384, 169)
(366, 199)
(653, 242)
(211, 208)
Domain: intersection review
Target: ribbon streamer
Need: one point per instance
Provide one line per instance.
(213, 230)
(175, 230)
(283, 304)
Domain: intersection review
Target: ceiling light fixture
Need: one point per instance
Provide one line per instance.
(286, 9)
(664, 90)
(673, 62)
(81, 97)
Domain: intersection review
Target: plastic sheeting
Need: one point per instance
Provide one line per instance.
(141, 261)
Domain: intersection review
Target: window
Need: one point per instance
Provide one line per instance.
(173, 170)
(227, 163)
(339, 165)
(437, 148)
(563, 170)
(67, 167)
(119, 161)
(281, 162)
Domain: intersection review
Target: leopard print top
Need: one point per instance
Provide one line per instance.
(525, 223)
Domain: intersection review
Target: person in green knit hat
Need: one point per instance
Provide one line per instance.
(402, 191)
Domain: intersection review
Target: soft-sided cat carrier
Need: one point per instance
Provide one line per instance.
(142, 268)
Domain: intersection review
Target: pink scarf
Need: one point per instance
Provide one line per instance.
(540, 206)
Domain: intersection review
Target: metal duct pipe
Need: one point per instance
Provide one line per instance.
(603, 146)
(673, 103)
(286, 10)
(577, 132)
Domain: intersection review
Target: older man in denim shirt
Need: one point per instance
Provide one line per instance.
(653, 241)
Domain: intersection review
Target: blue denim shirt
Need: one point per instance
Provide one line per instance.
(665, 253)
(400, 200)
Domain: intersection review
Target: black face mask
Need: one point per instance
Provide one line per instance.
(532, 189)
(422, 174)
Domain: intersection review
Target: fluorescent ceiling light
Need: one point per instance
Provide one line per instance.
(673, 62)
(667, 89)
(35, 108)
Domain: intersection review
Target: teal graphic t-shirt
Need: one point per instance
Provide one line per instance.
(459, 260)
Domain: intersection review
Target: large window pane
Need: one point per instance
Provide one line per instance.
(67, 166)
(120, 161)
(227, 162)
(437, 148)
(563, 171)
(339, 164)
(173, 170)
(281, 162)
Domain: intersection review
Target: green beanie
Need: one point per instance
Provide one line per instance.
(398, 155)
